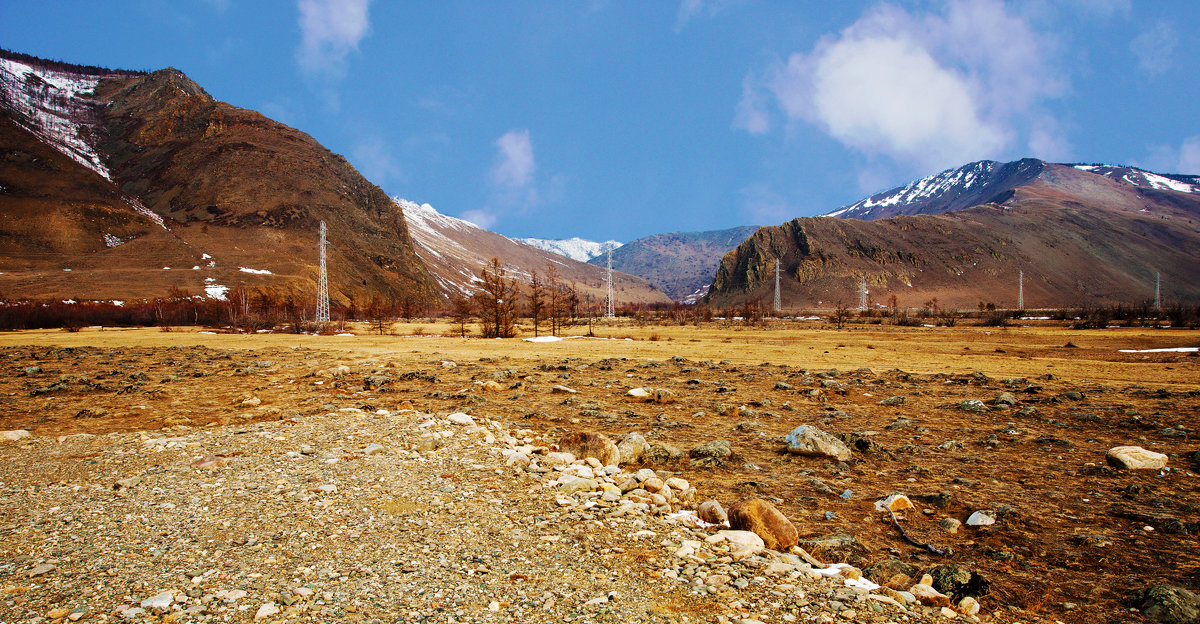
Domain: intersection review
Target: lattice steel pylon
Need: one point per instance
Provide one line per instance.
(778, 305)
(609, 305)
(323, 283)
(862, 294)
(1020, 290)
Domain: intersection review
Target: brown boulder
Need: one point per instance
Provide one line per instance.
(584, 444)
(761, 517)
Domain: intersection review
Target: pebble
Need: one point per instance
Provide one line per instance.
(14, 435)
(983, 517)
(266, 610)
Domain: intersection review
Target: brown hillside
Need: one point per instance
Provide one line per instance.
(1079, 238)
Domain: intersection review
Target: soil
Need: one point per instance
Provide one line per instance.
(1073, 537)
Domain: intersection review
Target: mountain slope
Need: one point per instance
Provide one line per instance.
(197, 194)
(1078, 236)
(680, 264)
(455, 250)
(575, 248)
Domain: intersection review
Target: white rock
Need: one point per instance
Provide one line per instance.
(968, 606)
(983, 517)
(643, 474)
(1135, 458)
(743, 544)
(562, 389)
(14, 435)
(161, 601)
(640, 393)
(373, 448)
(460, 418)
(267, 610)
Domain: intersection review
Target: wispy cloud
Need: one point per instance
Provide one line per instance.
(925, 90)
(515, 165)
(329, 31)
(692, 9)
(1154, 47)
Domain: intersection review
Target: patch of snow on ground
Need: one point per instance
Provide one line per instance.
(215, 290)
(112, 241)
(1166, 350)
(544, 339)
(255, 271)
(137, 206)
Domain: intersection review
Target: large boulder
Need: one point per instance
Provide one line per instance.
(892, 573)
(761, 517)
(838, 548)
(1168, 604)
(584, 444)
(712, 512)
(959, 581)
(1135, 458)
(632, 447)
(812, 442)
(662, 453)
(710, 454)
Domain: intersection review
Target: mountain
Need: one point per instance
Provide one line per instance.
(118, 185)
(575, 248)
(680, 264)
(988, 181)
(455, 250)
(1081, 234)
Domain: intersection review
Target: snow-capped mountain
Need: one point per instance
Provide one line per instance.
(574, 248)
(988, 181)
(455, 250)
(1146, 179)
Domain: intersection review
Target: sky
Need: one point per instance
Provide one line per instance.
(609, 119)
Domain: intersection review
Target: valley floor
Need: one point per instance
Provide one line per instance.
(219, 477)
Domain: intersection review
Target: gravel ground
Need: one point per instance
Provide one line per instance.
(334, 517)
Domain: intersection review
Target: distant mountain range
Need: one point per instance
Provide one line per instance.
(680, 264)
(455, 250)
(575, 248)
(1081, 234)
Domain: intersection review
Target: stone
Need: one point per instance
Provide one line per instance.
(927, 595)
(373, 448)
(1169, 604)
(812, 442)
(578, 484)
(644, 474)
(632, 448)
(583, 444)
(958, 581)
(968, 606)
(77, 613)
(41, 569)
(558, 459)
(663, 396)
(1005, 398)
(677, 484)
(14, 435)
(892, 573)
(716, 580)
(742, 544)
(761, 517)
(950, 525)
(460, 418)
(712, 512)
(983, 517)
(894, 502)
(710, 454)
(127, 482)
(973, 405)
(893, 400)
(266, 611)
(490, 386)
(158, 602)
(209, 462)
(560, 389)
(836, 548)
(1135, 458)
(662, 453)
(639, 393)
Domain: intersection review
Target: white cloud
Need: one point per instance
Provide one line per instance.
(1048, 142)
(1155, 47)
(482, 218)
(376, 161)
(329, 31)
(1189, 157)
(927, 90)
(692, 9)
(515, 166)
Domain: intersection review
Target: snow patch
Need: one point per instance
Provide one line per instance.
(575, 248)
(1166, 350)
(50, 105)
(255, 271)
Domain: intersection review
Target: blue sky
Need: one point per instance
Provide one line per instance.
(608, 119)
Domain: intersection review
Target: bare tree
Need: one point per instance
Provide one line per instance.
(841, 313)
(537, 299)
(461, 310)
(496, 301)
(555, 290)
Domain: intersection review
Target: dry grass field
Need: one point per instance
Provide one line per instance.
(1073, 537)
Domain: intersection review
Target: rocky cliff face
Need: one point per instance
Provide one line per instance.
(195, 194)
(1079, 238)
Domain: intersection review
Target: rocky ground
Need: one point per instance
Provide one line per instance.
(202, 484)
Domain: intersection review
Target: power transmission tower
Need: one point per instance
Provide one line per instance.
(609, 306)
(778, 307)
(323, 283)
(1021, 290)
(1157, 291)
(862, 294)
